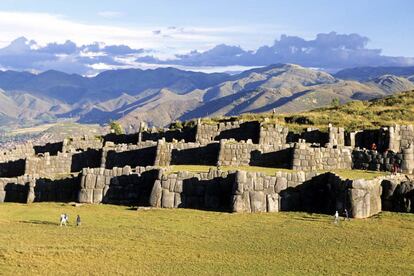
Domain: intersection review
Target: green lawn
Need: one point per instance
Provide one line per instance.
(116, 240)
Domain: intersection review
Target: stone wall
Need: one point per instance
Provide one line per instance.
(398, 195)
(400, 137)
(46, 165)
(82, 143)
(258, 192)
(17, 189)
(273, 134)
(118, 186)
(309, 192)
(336, 136)
(237, 130)
(234, 153)
(208, 191)
(307, 158)
(187, 134)
(18, 152)
(376, 161)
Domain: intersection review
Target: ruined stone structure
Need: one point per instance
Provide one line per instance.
(133, 169)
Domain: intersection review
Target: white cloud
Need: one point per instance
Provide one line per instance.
(45, 27)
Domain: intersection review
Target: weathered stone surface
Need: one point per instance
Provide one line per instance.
(257, 202)
(2, 196)
(100, 181)
(365, 198)
(97, 195)
(86, 196)
(238, 204)
(90, 181)
(167, 200)
(272, 202)
(156, 194)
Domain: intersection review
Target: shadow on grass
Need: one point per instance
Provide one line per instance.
(41, 222)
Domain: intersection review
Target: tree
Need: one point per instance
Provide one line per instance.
(116, 128)
(335, 102)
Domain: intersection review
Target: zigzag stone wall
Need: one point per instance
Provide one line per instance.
(234, 153)
(118, 185)
(209, 191)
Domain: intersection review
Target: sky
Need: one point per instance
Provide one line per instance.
(166, 28)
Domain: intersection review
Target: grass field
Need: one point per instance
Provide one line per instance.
(117, 240)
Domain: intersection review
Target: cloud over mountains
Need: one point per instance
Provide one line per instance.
(328, 50)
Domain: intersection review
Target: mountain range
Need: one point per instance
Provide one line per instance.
(163, 95)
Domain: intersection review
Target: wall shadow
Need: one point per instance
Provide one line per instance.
(133, 189)
(51, 148)
(13, 168)
(212, 195)
(16, 192)
(90, 158)
(275, 159)
(139, 157)
(206, 155)
(57, 190)
(247, 130)
(323, 194)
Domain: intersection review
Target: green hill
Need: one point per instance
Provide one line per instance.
(394, 109)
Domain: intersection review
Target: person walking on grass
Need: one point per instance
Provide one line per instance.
(336, 217)
(63, 219)
(78, 221)
(346, 214)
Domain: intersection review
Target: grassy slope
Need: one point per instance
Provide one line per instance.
(394, 109)
(115, 240)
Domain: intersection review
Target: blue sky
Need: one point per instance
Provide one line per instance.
(250, 24)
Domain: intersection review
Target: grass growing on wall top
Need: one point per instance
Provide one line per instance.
(349, 174)
(115, 240)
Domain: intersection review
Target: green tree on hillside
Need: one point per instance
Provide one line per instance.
(116, 128)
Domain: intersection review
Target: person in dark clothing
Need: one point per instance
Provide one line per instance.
(78, 221)
(346, 214)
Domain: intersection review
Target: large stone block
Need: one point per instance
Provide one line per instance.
(97, 195)
(238, 204)
(85, 196)
(281, 184)
(100, 182)
(2, 196)
(272, 201)
(257, 202)
(90, 181)
(156, 194)
(167, 200)
(365, 198)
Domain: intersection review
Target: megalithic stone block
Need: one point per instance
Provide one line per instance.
(156, 194)
(85, 196)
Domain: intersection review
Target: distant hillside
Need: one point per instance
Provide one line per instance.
(355, 115)
(368, 73)
(163, 95)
